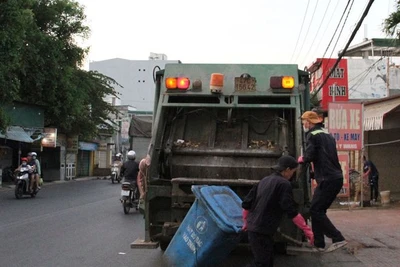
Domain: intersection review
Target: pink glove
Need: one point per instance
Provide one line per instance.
(244, 213)
(301, 223)
(300, 159)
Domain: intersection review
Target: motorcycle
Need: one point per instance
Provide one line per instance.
(115, 173)
(129, 196)
(22, 183)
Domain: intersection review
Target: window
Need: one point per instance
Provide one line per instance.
(138, 81)
(139, 69)
(143, 81)
(144, 69)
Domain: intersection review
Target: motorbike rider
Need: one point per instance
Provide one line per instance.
(118, 162)
(24, 163)
(38, 169)
(32, 176)
(130, 168)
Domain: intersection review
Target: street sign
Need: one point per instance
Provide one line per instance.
(346, 125)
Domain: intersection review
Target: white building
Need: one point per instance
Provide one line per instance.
(135, 77)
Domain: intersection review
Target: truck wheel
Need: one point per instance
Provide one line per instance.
(280, 247)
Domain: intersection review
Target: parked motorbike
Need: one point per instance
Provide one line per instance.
(115, 173)
(129, 197)
(22, 183)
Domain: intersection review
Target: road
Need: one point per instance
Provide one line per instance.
(81, 223)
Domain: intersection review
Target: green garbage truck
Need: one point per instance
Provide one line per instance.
(221, 124)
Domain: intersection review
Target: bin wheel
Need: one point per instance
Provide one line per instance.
(164, 245)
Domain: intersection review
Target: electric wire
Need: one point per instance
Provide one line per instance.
(340, 33)
(383, 143)
(315, 37)
(301, 29)
(365, 13)
(341, 30)
(308, 30)
(329, 22)
(337, 27)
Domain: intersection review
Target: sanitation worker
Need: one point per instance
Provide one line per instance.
(321, 151)
(264, 207)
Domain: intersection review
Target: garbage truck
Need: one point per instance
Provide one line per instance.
(221, 124)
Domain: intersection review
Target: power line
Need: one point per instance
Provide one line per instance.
(315, 37)
(347, 46)
(309, 26)
(341, 30)
(301, 29)
(337, 27)
(329, 22)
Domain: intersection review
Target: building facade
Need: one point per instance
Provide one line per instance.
(136, 78)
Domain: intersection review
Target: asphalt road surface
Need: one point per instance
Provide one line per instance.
(81, 223)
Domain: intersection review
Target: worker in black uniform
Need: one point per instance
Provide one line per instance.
(263, 209)
(321, 151)
(130, 168)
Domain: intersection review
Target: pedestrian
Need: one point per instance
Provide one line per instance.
(321, 151)
(372, 173)
(263, 209)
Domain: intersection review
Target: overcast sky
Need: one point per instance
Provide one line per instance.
(226, 31)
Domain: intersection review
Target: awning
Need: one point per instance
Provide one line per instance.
(374, 113)
(16, 133)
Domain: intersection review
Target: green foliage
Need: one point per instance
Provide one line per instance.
(390, 24)
(42, 65)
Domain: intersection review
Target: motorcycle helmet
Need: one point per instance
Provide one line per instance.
(33, 154)
(119, 155)
(24, 159)
(131, 155)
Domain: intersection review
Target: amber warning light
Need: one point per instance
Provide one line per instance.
(282, 82)
(180, 83)
(216, 83)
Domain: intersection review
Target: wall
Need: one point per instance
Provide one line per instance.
(136, 78)
(385, 157)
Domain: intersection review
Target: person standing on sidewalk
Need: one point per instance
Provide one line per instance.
(321, 151)
(263, 209)
(372, 173)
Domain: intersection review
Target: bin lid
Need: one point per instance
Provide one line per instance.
(223, 204)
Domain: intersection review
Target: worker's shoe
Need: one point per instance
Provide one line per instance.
(336, 246)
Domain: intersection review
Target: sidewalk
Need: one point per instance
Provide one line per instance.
(373, 234)
(10, 185)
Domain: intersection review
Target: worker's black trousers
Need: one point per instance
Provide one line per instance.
(324, 195)
(262, 247)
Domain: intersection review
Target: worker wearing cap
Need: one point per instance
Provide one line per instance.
(263, 209)
(321, 151)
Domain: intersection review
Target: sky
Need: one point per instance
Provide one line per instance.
(227, 31)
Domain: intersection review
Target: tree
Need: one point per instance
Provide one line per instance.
(390, 24)
(43, 64)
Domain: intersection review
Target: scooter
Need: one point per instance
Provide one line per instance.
(22, 183)
(129, 197)
(115, 173)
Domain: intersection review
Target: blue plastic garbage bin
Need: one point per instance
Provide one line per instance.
(210, 230)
